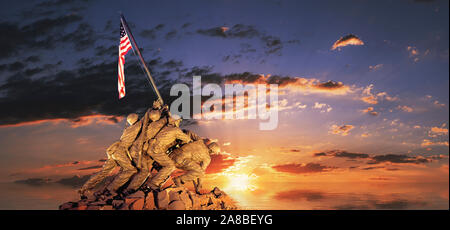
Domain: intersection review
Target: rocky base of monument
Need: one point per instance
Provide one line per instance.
(168, 199)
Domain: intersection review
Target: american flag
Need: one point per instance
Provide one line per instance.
(124, 47)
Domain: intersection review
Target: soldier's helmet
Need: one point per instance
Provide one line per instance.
(132, 118)
(157, 104)
(214, 147)
(155, 115)
(175, 120)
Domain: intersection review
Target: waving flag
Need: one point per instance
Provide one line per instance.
(124, 47)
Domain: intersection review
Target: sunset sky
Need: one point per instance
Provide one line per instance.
(363, 96)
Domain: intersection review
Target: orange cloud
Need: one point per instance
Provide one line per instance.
(340, 153)
(343, 130)
(375, 67)
(438, 104)
(405, 108)
(439, 130)
(371, 98)
(412, 50)
(383, 158)
(219, 162)
(294, 195)
(322, 107)
(413, 53)
(370, 110)
(302, 168)
(346, 41)
(426, 143)
(296, 84)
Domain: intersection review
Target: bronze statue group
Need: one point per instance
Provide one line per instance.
(155, 141)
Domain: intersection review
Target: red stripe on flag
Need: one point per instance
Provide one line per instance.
(124, 47)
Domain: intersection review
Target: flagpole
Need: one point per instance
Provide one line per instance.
(127, 29)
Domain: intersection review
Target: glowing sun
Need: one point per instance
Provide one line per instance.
(241, 182)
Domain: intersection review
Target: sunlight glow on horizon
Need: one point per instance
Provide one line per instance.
(241, 182)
